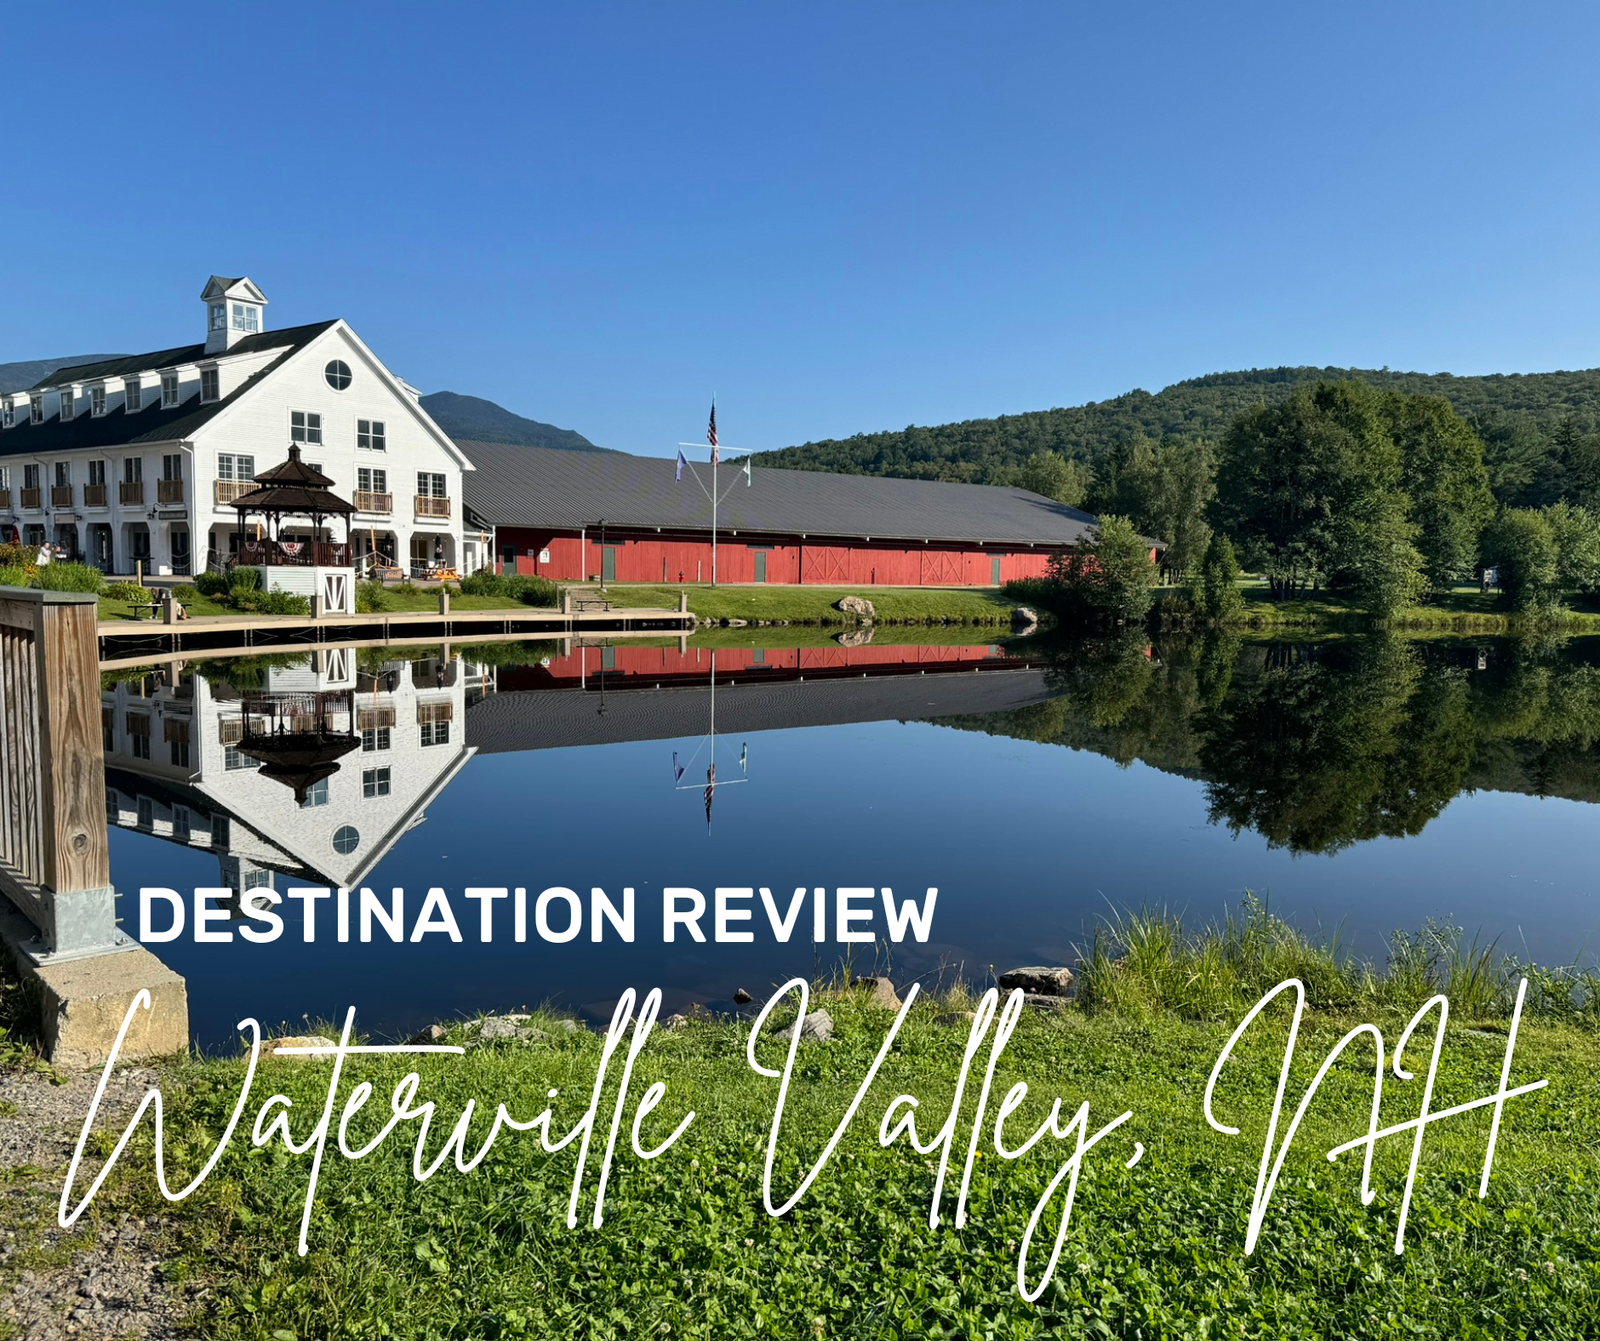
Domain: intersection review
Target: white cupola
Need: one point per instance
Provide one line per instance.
(233, 310)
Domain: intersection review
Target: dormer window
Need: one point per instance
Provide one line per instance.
(8, 414)
(36, 409)
(246, 318)
(210, 385)
(132, 396)
(219, 316)
(169, 390)
(97, 401)
(66, 405)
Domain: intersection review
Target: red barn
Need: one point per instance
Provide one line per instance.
(575, 516)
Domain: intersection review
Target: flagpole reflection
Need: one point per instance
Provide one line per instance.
(709, 744)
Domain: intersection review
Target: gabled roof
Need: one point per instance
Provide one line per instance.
(117, 427)
(219, 286)
(544, 487)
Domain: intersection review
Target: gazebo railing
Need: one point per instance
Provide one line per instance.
(295, 553)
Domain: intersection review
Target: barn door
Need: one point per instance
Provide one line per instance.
(608, 564)
(994, 571)
(761, 565)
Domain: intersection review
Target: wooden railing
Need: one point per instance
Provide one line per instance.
(169, 491)
(294, 554)
(31, 498)
(429, 506)
(131, 491)
(5, 498)
(368, 501)
(61, 495)
(94, 495)
(226, 491)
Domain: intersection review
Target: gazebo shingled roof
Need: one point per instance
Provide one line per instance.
(293, 487)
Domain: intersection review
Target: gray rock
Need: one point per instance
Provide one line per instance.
(1051, 1005)
(1045, 981)
(1025, 618)
(500, 1026)
(432, 1034)
(880, 992)
(858, 606)
(857, 637)
(675, 1022)
(742, 997)
(736, 623)
(302, 1041)
(818, 1026)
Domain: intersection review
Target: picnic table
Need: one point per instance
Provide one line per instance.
(591, 603)
(151, 606)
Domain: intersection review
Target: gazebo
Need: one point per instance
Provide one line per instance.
(293, 489)
(318, 569)
(299, 738)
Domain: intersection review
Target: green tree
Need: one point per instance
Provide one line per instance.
(1522, 545)
(1105, 579)
(1054, 476)
(1383, 566)
(1576, 532)
(1443, 473)
(1218, 590)
(1292, 477)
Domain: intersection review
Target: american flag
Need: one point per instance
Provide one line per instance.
(711, 791)
(711, 433)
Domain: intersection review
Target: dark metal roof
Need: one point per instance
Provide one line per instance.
(544, 487)
(117, 427)
(557, 718)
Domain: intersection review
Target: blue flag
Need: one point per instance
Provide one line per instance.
(681, 464)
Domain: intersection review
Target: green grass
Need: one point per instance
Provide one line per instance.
(814, 605)
(1464, 610)
(425, 600)
(196, 605)
(1156, 1251)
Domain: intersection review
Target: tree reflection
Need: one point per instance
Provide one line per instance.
(1320, 745)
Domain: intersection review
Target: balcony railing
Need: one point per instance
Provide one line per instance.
(429, 506)
(94, 495)
(367, 501)
(30, 499)
(169, 491)
(228, 490)
(294, 553)
(61, 495)
(131, 492)
(5, 498)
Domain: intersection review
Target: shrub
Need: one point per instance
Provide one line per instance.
(1027, 590)
(1217, 592)
(244, 579)
(511, 587)
(1521, 543)
(13, 576)
(370, 598)
(70, 577)
(18, 556)
(212, 584)
(272, 602)
(1108, 578)
(128, 591)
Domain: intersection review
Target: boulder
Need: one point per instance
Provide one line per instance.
(492, 1027)
(736, 623)
(1025, 618)
(301, 1041)
(856, 637)
(818, 1026)
(1043, 981)
(858, 606)
(432, 1034)
(742, 997)
(1051, 1005)
(880, 992)
(675, 1022)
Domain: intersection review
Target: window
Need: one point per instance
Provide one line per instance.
(338, 374)
(139, 746)
(33, 535)
(97, 400)
(233, 759)
(374, 782)
(66, 405)
(430, 485)
(169, 390)
(108, 738)
(97, 471)
(316, 795)
(36, 409)
(210, 385)
(178, 751)
(372, 481)
(180, 823)
(235, 467)
(257, 880)
(63, 472)
(369, 434)
(305, 427)
(8, 414)
(172, 465)
(246, 318)
(435, 733)
(346, 840)
(132, 395)
(132, 469)
(219, 316)
(221, 830)
(374, 738)
(5, 477)
(30, 477)
(147, 813)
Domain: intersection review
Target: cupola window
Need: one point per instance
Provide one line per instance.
(246, 318)
(219, 316)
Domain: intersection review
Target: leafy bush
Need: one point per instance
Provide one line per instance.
(370, 598)
(272, 602)
(1107, 579)
(244, 579)
(70, 577)
(212, 584)
(13, 576)
(18, 556)
(1521, 543)
(1027, 590)
(1217, 592)
(537, 591)
(128, 591)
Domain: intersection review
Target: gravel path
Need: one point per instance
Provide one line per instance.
(55, 1284)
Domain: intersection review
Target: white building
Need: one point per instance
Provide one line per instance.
(137, 459)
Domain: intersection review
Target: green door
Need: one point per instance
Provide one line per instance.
(761, 565)
(994, 571)
(608, 564)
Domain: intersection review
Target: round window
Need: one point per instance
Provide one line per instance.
(346, 839)
(338, 374)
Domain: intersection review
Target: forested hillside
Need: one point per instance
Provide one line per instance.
(1521, 417)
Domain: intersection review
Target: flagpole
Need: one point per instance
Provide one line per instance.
(716, 456)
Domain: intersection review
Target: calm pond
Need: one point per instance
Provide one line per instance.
(1360, 786)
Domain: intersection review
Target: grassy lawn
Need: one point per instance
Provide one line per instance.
(814, 605)
(195, 605)
(425, 600)
(1464, 610)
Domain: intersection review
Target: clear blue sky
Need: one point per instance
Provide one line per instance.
(838, 217)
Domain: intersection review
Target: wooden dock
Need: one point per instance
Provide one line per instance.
(131, 643)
